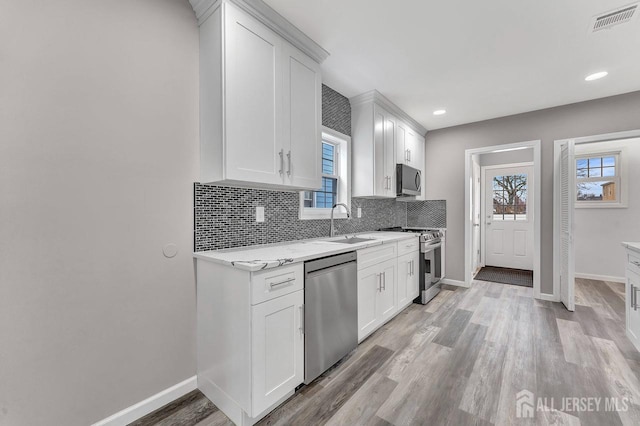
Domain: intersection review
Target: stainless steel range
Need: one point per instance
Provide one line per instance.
(431, 260)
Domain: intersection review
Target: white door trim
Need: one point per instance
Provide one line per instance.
(483, 202)
(631, 134)
(468, 221)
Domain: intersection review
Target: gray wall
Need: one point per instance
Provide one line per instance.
(445, 161)
(98, 154)
(598, 232)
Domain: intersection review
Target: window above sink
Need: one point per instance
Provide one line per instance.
(336, 185)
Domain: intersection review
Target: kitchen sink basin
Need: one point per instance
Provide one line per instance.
(352, 240)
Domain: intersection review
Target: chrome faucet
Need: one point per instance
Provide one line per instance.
(333, 230)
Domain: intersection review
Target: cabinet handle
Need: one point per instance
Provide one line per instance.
(634, 297)
(386, 182)
(384, 281)
(412, 268)
(287, 281)
(289, 161)
(302, 319)
(379, 283)
(406, 155)
(631, 302)
(281, 153)
(409, 155)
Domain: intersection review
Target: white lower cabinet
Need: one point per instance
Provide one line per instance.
(387, 283)
(278, 349)
(368, 290)
(386, 306)
(408, 278)
(250, 337)
(632, 302)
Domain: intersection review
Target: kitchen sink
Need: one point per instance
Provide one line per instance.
(352, 240)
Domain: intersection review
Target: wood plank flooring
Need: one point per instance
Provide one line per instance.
(461, 360)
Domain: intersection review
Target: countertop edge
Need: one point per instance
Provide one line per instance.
(632, 246)
(337, 250)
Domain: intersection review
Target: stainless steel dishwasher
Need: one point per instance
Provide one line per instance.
(330, 312)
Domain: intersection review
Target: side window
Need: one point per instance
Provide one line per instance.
(598, 179)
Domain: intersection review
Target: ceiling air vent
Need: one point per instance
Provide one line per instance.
(615, 17)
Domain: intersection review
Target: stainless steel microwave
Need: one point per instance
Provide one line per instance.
(408, 180)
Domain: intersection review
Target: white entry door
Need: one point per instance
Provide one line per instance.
(508, 210)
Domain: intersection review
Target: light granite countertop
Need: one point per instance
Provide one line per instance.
(255, 258)
(632, 246)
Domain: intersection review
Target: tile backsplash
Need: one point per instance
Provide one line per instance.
(225, 217)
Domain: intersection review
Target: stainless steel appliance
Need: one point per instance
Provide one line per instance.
(431, 260)
(330, 312)
(408, 180)
(430, 264)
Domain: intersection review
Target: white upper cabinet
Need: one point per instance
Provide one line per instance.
(252, 100)
(382, 136)
(302, 119)
(260, 100)
(410, 149)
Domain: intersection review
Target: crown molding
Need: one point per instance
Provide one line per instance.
(376, 97)
(272, 19)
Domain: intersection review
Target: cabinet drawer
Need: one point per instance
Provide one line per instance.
(375, 255)
(408, 246)
(633, 262)
(276, 282)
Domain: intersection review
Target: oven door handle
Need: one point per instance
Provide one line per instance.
(429, 247)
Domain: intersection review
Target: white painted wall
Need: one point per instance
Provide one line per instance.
(445, 161)
(98, 154)
(599, 232)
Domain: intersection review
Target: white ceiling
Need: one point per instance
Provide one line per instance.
(476, 59)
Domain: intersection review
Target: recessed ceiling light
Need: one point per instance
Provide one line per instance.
(439, 112)
(596, 76)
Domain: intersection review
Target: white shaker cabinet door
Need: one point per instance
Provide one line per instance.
(386, 301)
(253, 96)
(390, 155)
(413, 284)
(368, 289)
(278, 349)
(302, 106)
(402, 155)
(633, 313)
(404, 277)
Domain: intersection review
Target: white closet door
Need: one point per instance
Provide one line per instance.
(567, 200)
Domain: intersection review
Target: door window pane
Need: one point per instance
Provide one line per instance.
(510, 197)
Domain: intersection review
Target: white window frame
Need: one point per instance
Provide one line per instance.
(620, 179)
(343, 166)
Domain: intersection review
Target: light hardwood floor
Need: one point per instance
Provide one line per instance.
(461, 360)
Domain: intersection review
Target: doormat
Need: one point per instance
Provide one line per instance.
(506, 276)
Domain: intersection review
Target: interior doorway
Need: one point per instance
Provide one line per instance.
(590, 191)
(502, 211)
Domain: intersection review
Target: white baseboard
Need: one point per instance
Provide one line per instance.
(457, 283)
(549, 296)
(601, 278)
(142, 408)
